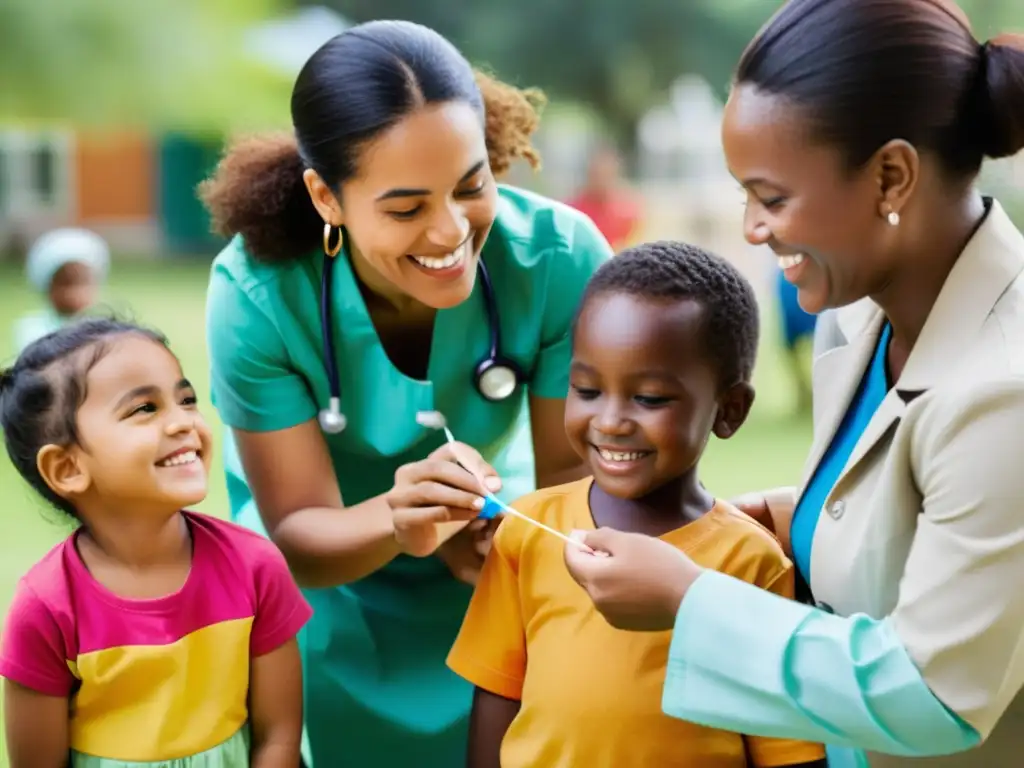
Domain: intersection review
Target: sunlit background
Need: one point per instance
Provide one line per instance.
(111, 111)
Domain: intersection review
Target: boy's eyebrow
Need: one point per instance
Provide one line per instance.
(183, 384)
(665, 376)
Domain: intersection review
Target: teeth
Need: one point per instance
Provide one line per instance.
(785, 262)
(182, 458)
(444, 262)
(619, 456)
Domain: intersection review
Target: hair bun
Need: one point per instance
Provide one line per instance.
(6, 379)
(1003, 126)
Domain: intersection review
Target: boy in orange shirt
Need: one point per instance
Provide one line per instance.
(664, 348)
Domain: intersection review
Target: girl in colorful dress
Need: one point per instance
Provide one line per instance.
(151, 635)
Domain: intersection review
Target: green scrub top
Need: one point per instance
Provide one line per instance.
(377, 689)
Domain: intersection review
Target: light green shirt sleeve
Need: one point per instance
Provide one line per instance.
(583, 252)
(254, 386)
(743, 659)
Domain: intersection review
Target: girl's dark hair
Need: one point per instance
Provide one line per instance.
(41, 393)
(357, 85)
(869, 71)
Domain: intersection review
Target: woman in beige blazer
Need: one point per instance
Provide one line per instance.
(857, 130)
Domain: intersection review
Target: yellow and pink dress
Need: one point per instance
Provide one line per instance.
(162, 681)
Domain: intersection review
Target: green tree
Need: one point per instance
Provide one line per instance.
(115, 62)
(617, 57)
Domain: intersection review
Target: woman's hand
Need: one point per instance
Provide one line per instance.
(464, 553)
(755, 505)
(438, 490)
(636, 582)
(773, 509)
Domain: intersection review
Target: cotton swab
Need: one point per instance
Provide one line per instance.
(503, 507)
(492, 504)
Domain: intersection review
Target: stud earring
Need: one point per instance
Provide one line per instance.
(893, 218)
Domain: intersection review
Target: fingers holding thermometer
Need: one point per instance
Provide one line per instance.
(499, 507)
(466, 456)
(432, 500)
(474, 463)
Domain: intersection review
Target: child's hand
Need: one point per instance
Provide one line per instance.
(464, 553)
(756, 506)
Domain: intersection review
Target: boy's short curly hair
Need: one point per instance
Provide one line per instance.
(674, 271)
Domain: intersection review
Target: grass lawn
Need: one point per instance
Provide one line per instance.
(170, 295)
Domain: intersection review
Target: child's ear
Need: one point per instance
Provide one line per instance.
(61, 470)
(733, 407)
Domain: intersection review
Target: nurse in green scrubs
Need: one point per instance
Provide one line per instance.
(392, 168)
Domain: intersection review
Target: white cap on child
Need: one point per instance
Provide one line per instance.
(59, 247)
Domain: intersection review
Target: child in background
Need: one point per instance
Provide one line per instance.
(664, 347)
(66, 266)
(152, 634)
(608, 201)
(797, 329)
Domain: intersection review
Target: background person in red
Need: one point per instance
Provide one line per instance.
(607, 200)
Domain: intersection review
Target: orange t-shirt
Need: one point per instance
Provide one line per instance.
(591, 694)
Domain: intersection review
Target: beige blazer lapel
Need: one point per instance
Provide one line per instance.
(837, 374)
(886, 417)
(987, 266)
(990, 261)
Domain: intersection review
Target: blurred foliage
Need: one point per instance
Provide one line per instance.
(179, 63)
(135, 62)
(617, 57)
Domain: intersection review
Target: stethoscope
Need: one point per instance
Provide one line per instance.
(495, 377)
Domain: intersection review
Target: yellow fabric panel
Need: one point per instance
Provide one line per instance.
(161, 702)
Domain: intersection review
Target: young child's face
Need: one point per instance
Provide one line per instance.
(73, 289)
(142, 438)
(643, 398)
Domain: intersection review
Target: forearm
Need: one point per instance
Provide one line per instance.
(772, 667)
(40, 756)
(43, 759)
(489, 721)
(282, 752)
(331, 547)
(36, 728)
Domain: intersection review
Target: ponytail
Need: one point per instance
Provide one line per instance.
(512, 117)
(257, 192)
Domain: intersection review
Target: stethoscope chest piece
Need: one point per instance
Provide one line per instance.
(332, 420)
(496, 379)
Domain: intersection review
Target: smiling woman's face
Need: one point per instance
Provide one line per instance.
(420, 206)
(820, 218)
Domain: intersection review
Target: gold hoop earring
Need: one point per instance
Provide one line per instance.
(332, 252)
